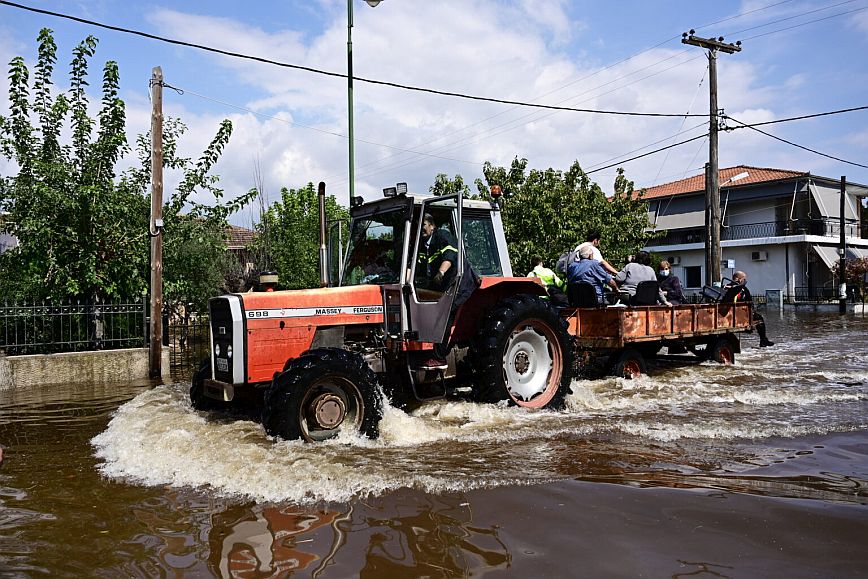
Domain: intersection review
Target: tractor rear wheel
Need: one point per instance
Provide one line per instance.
(319, 394)
(523, 354)
(198, 400)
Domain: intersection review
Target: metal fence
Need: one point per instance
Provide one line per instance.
(189, 340)
(47, 328)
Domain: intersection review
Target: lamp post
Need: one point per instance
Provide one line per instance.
(372, 4)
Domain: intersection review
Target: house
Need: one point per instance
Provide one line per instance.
(239, 241)
(780, 227)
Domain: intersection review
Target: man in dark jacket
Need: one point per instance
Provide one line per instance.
(739, 280)
(439, 255)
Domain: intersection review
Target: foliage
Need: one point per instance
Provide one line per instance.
(289, 234)
(443, 185)
(856, 273)
(79, 235)
(82, 232)
(547, 212)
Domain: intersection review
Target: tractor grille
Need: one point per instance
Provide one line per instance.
(221, 336)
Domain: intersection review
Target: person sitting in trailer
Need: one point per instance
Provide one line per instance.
(637, 271)
(737, 291)
(670, 284)
(589, 270)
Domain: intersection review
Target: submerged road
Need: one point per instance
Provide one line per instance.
(756, 469)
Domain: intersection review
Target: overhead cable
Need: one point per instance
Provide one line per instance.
(330, 73)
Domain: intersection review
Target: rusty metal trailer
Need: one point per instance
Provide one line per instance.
(623, 338)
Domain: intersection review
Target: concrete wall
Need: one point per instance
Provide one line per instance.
(77, 367)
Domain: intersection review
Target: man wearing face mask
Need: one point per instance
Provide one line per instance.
(670, 284)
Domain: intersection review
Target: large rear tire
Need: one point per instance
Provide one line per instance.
(523, 354)
(320, 393)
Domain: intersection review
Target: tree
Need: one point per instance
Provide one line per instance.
(856, 275)
(79, 235)
(83, 233)
(547, 212)
(288, 234)
(443, 185)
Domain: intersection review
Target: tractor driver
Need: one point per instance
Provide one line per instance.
(438, 255)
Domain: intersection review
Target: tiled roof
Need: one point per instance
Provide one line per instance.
(696, 184)
(239, 237)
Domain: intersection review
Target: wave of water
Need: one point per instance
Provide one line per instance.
(815, 382)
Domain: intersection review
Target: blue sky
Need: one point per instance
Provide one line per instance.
(799, 58)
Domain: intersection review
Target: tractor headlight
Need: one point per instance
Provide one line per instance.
(216, 349)
(229, 351)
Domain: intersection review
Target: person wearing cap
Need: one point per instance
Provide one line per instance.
(589, 270)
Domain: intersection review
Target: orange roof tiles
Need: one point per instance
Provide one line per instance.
(696, 184)
(239, 237)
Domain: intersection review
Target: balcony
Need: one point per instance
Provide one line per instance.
(821, 227)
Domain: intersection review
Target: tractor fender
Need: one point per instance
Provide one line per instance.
(490, 291)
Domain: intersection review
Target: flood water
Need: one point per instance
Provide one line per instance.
(757, 469)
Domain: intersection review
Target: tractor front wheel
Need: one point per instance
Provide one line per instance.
(198, 400)
(319, 394)
(522, 353)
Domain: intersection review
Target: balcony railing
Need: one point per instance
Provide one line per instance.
(822, 227)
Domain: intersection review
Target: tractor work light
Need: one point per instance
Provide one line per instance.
(390, 191)
(402, 188)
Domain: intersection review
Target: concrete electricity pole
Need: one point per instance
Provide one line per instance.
(155, 226)
(712, 175)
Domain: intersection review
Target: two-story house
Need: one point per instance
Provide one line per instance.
(780, 227)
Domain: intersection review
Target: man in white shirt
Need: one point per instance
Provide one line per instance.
(593, 241)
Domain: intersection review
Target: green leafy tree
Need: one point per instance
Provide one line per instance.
(288, 233)
(443, 185)
(79, 235)
(83, 232)
(547, 212)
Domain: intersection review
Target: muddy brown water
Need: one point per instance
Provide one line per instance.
(754, 470)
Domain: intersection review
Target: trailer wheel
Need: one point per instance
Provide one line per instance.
(628, 364)
(721, 351)
(522, 353)
(320, 393)
(198, 400)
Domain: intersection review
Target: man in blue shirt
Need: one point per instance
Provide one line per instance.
(589, 270)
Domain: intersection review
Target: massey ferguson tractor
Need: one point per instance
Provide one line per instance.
(321, 359)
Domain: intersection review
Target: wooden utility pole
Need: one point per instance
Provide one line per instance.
(842, 264)
(155, 226)
(712, 175)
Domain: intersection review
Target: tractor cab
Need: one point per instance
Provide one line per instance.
(386, 248)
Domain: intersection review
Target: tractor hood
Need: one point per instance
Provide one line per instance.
(339, 305)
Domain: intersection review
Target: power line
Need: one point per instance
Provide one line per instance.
(800, 146)
(329, 73)
(811, 116)
(805, 23)
(702, 136)
(778, 21)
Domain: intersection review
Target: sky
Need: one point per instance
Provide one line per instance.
(290, 126)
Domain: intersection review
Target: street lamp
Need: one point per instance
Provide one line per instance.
(732, 179)
(372, 4)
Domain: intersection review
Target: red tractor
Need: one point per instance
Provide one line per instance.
(322, 358)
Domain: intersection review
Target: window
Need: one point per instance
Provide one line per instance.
(374, 252)
(693, 276)
(480, 245)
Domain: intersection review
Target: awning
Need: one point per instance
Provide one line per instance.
(828, 254)
(856, 252)
(829, 202)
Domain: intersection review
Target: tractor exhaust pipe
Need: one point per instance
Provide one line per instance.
(323, 256)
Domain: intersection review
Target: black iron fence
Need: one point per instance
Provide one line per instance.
(78, 326)
(189, 340)
(47, 328)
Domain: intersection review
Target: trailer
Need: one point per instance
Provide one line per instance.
(622, 338)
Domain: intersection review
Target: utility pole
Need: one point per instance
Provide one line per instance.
(712, 175)
(842, 265)
(155, 226)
